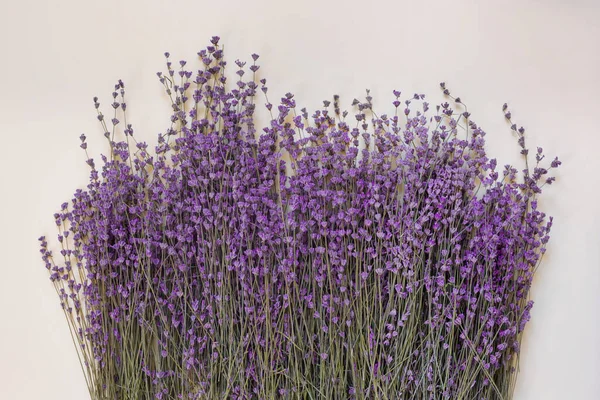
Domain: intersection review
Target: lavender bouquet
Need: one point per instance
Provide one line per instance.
(319, 256)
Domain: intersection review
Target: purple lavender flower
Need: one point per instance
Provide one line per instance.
(311, 256)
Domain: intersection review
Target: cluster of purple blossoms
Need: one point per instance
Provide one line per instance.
(324, 256)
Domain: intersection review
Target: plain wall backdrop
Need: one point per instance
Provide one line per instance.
(542, 57)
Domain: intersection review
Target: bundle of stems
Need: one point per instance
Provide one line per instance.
(324, 256)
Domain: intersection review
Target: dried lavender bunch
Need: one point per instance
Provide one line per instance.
(326, 256)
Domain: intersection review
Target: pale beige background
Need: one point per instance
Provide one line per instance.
(540, 56)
